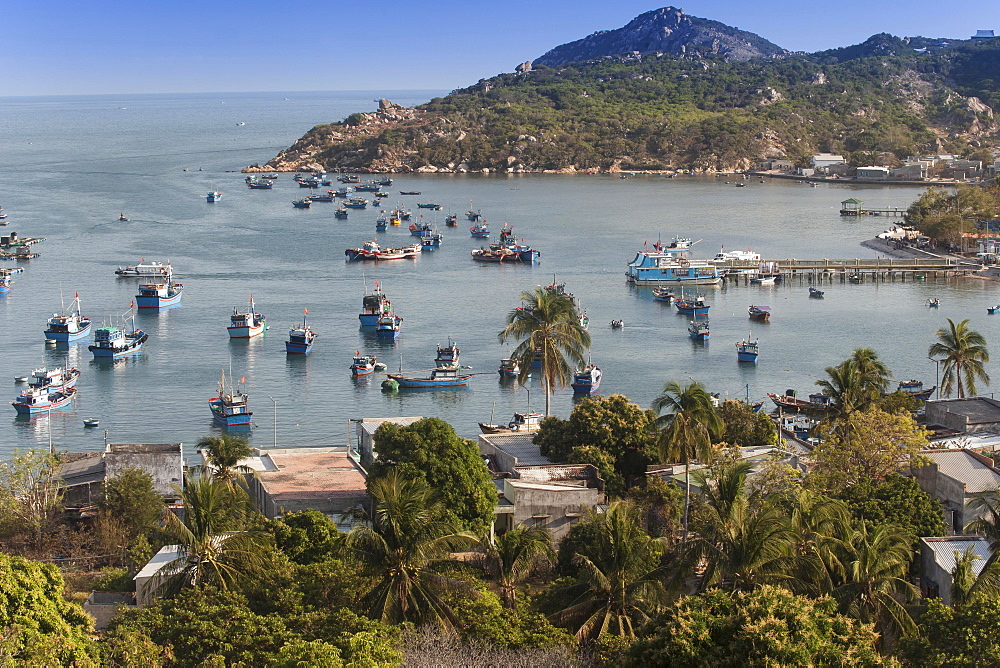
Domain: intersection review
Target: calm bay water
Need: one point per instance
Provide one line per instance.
(72, 164)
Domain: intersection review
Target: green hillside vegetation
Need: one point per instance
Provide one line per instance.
(878, 97)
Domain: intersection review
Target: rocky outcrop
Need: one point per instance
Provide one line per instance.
(666, 30)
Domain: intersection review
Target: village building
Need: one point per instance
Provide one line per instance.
(983, 35)
(365, 429)
(83, 473)
(963, 416)
(821, 161)
(938, 557)
(954, 478)
(872, 173)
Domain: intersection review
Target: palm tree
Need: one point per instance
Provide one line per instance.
(856, 382)
(820, 525)
(217, 544)
(405, 535)
(874, 588)
(224, 454)
(547, 328)
(686, 429)
(964, 354)
(511, 557)
(620, 584)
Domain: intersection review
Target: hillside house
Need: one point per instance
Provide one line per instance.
(937, 560)
(821, 161)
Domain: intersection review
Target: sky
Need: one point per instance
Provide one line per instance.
(112, 47)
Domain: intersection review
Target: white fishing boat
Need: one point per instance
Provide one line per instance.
(144, 269)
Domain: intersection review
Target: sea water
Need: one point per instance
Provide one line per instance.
(73, 164)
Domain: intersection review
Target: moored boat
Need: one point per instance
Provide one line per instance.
(40, 400)
(356, 203)
(5, 283)
(432, 241)
(992, 310)
(695, 306)
(915, 388)
(230, 409)
(587, 381)
(248, 324)
(764, 280)
(388, 325)
(213, 196)
(521, 423)
(430, 205)
(301, 203)
(698, 330)
(112, 342)
(159, 295)
(447, 355)
(509, 368)
(144, 269)
(53, 379)
(664, 295)
(69, 327)
(814, 292)
(816, 403)
(300, 339)
(340, 213)
(363, 365)
(421, 229)
(373, 306)
(671, 264)
(480, 231)
(440, 377)
(759, 313)
(747, 350)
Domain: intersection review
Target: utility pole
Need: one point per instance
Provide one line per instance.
(273, 401)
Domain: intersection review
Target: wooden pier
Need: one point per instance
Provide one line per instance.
(856, 270)
(856, 207)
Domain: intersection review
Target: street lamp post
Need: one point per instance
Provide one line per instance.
(937, 376)
(273, 401)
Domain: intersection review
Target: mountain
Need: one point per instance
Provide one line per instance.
(700, 108)
(667, 30)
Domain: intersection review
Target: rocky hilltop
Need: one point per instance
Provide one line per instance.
(669, 91)
(666, 31)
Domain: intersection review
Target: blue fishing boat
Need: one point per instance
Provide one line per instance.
(992, 310)
(340, 213)
(439, 378)
(112, 342)
(818, 294)
(474, 216)
(759, 313)
(431, 242)
(366, 252)
(746, 350)
(480, 231)
(321, 198)
(213, 196)
(356, 203)
(664, 295)
(301, 203)
(53, 379)
(671, 263)
(300, 339)
(40, 400)
(509, 368)
(363, 365)
(160, 295)
(388, 326)
(430, 205)
(447, 355)
(915, 389)
(373, 306)
(5, 283)
(381, 224)
(69, 327)
(255, 183)
(451, 221)
(246, 325)
(421, 229)
(230, 409)
(587, 381)
(695, 306)
(698, 330)
(343, 192)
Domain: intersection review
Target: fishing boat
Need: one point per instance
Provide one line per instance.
(429, 205)
(356, 203)
(473, 215)
(373, 306)
(431, 241)
(53, 379)
(366, 188)
(915, 388)
(35, 400)
(5, 282)
(521, 423)
(447, 355)
(934, 302)
(508, 242)
(856, 278)
(451, 221)
(213, 196)
(381, 223)
(405, 214)
(759, 313)
(363, 365)
(617, 324)
(498, 255)
(301, 203)
(144, 269)
(763, 280)
(480, 231)
(664, 295)
(746, 350)
(992, 310)
(230, 409)
(698, 330)
(671, 263)
(695, 306)
(818, 294)
(70, 326)
(387, 326)
(321, 198)
(587, 381)
(255, 183)
(246, 325)
(440, 377)
(509, 368)
(300, 339)
(343, 192)
(366, 252)
(788, 401)
(112, 342)
(409, 192)
(160, 295)
(421, 229)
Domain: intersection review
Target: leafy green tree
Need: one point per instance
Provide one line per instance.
(769, 626)
(224, 453)
(686, 425)
(429, 450)
(744, 427)
(219, 545)
(612, 424)
(953, 637)
(511, 557)
(547, 327)
(306, 536)
(614, 484)
(130, 507)
(660, 503)
(30, 496)
(871, 446)
(619, 584)
(38, 627)
(396, 551)
(964, 354)
(895, 500)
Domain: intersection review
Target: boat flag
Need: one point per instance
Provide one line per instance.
(306, 311)
(131, 303)
(76, 295)
(243, 379)
(357, 353)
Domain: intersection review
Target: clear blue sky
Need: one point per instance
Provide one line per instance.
(55, 47)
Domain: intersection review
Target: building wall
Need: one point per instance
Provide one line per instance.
(947, 490)
(166, 468)
(940, 412)
(554, 510)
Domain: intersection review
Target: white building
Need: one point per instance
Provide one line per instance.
(824, 160)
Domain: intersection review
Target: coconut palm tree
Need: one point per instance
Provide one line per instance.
(856, 382)
(547, 328)
(620, 584)
(511, 557)
(224, 453)
(686, 429)
(820, 525)
(874, 588)
(217, 543)
(964, 354)
(404, 537)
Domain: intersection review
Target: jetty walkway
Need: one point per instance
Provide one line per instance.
(853, 270)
